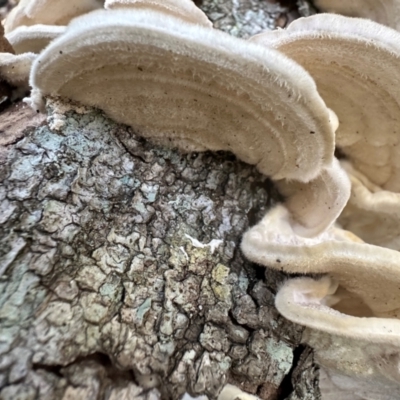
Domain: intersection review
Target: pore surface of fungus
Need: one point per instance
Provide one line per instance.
(184, 9)
(199, 89)
(5, 46)
(356, 65)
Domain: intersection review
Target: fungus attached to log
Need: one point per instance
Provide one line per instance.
(199, 89)
(356, 65)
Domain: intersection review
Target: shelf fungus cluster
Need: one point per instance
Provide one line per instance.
(48, 12)
(364, 93)
(351, 313)
(196, 88)
(29, 28)
(281, 102)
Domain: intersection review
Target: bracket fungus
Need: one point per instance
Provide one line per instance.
(33, 38)
(371, 213)
(15, 69)
(359, 355)
(362, 90)
(184, 9)
(386, 12)
(316, 204)
(353, 312)
(48, 12)
(199, 89)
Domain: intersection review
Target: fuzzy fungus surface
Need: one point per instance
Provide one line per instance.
(386, 12)
(35, 38)
(351, 313)
(361, 90)
(372, 213)
(48, 12)
(184, 9)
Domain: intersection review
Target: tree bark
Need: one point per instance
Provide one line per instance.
(121, 272)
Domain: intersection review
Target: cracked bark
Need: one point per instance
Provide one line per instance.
(121, 275)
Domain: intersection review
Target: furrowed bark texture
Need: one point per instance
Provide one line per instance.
(121, 274)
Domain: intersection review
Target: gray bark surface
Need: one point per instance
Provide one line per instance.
(121, 273)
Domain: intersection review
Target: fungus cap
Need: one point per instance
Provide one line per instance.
(310, 302)
(33, 38)
(184, 9)
(356, 65)
(195, 86)
(371, 213)
(315, 205)
(231, 392)
(48, 12)
(359, 355)
(218, 91)
(370, 273)
(386, 12)
(15, 69)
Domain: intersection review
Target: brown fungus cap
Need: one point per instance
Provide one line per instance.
(197, 88)
(356, 65)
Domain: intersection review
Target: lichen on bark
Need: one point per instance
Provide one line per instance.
(104, 269)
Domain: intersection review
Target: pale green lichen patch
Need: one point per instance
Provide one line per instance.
(220, 274)
(220, 286)
(282, 354)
